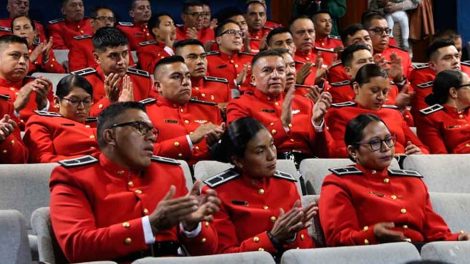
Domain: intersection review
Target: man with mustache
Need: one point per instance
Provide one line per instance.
(256, 20)
(193, 23)
(137, 31)
(18, 8)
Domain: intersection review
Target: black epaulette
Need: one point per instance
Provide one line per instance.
(46, 113)
(336, 63)
(84, 72)
(344, 104)
(91, 119)
(212, 53)
(55, 21)
(138, 72)
(284, 175)
(222, 177)
(148, 42)
(466, 63)
(425, 85)
(246, 53)
(194, 100)
(325, 49)
(80, 37)
(346, 171)
(390, 106)
(4, 96)
(337, 84)
(409, 173)
(6, 29)
(164, 160)
(126, 24)
(268, 28)
(84, 160)
(334, 37)
(420, 66)
(303, 86)
(431, 109)
(215, 79)
(148, 101)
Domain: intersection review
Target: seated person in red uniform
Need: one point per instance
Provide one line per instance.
(41, 55)
(445, 126)
(371, 87)
(26, 94)
(137, 31)
(327, 45)
(125, 203)
(236, 15)
(12, 148)
(281, 38)
(16, 8)
(81, 48)
(370, 203)
(68, 133)
(74, 23)
(256, 20)
(206, 88)
(193, 23)
(260, 207)
(188, 127)
(111, 51)
(295, 122)
(163, 30)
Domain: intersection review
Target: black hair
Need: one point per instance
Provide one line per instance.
(67, 83)
(355, 128)
(10, 39)
(154, 21)
(368, 71)
(220, 28)
(368, 16)
(109, 37)
(235, 139)
(186, 42)
(276, 31)
(441, 86)
(321, 11)
(190, 3)
(436, 45)
(27, 17)
(109, 115)
(447, 34)
(265, 53)
(228, 12)
(94, 11)
(348, 53)
(166, 61)
(132, 5)
(292, 21)
(350, 30)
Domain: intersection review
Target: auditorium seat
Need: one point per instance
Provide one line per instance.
(455, 252)
(187, 174)
(454, 208)
(314, 230)
(389, 253)
(442, 172)
(315, 170)
(53, 77)
(14, 243)
(62, 57)
(259, 257)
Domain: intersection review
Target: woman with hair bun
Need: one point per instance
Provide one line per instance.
(445, 127)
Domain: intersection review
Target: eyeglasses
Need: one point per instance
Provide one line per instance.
(142, 127)
(233, 32)
(464, 86)
(380, 31)
(76, 102)
(104, 18)
(376, 144)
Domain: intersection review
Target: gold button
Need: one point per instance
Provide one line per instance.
(256, 239)
(236, 65)
(128, 241)
(196, 147)
(273, 131)
(405, 226)
(92, 136)
(260, 249)
(212, 97)
(100, 106)
(130, 184)
(231, 61)
(467, 145)
(52, 65)
(271, 124)
(289, 125)
(366, 241)
(292, 140)
(460, 116)
(203, 240)
(386, 180)
(273, 218)
(92, 148)
(87, 126)
(4, 151)
(12, 142)
(276, 103)
(393, 196)
(203, 95)
(197, 88)
(146, 211)
(265, 207)
(302, 236)
(365, 228)
(373, 171)
(186, 121)
(126, 225)
(181, 110)
(176, 144)
(403, 211)
(120, 172)
(261, 191)
(138, 191)
(206, 223)
(180, 155)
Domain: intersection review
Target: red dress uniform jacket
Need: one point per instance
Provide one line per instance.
(204, 35)
(249, 209)
(257, 38)
(39, 65)
(175, 122)
(51, 137)
(63, 31)
(336, 73)
(83, 208)
(227, 66)
(149, 53)
(135, 33)
(328, 42)
(343, 92)
(141, 81)
(329, 55)
(211, 89)
(5, 28)
(272, 24)
(302, 58)
(12, 89)
(12, 149)
(301, 135)
(353, 199)
(445, 130)
(340, 114)
(404, 56)
(81, 53)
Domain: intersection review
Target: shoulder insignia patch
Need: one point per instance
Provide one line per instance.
(390, 106)
(345, 82)
(343, 104)
(80, 37)
(246, 53)
(431, 109)
(126, 24)
(91, 119)
(284, 175)
(345, 171)
(147, 101)
(138, 72)
(148, 42)
(4, 96)
(55, 21)
(334, 37)
(419, 66)
(164, 160)
(466, 63)
(84, 72)
(194, 100)
(425, 85)
(336, 63)
(78, 161)
(212, 53)
(6, 29)
(221, 178)
(398, 172)
(46, 113)
(324, 49)
(215, 79)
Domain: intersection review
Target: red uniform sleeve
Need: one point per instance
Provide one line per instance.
(52, 65)
(77, 60)
(13, 150)
(176, 148)
(39, 139)
(57, 40)
(410, 136)
(429, 133)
